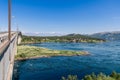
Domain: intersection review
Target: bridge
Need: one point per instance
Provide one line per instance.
(8, 49)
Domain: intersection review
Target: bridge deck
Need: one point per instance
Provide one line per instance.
(7, 51)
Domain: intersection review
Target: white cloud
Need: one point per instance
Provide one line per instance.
(44, 33)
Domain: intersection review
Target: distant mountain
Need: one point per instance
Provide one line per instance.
(74, 34)
(82, 38)
(107, 35)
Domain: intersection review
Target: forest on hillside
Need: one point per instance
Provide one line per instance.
(67, 38)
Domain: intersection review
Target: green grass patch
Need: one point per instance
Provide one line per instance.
(26, 52)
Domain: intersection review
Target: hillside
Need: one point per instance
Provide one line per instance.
(66, 38)
(107, 35)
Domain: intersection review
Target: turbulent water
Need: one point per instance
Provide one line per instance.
(105, 57)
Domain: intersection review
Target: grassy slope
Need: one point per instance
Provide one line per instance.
(26, 52)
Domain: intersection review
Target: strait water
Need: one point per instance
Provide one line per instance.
(104, 57)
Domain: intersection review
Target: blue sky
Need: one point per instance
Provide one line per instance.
(62, 16)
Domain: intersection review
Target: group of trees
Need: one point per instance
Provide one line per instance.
(67, 38)
(101, 76)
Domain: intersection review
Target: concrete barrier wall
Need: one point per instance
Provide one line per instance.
(1, 70)
(7, 59)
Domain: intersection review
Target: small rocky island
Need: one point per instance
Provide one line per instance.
(32, 52)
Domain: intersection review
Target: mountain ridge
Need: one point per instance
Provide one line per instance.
(114, 35)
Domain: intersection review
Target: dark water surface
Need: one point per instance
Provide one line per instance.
(105, 57)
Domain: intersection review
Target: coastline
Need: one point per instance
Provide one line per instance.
(31, 52)
(24, 43)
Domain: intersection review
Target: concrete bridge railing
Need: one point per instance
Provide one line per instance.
(8, 49)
